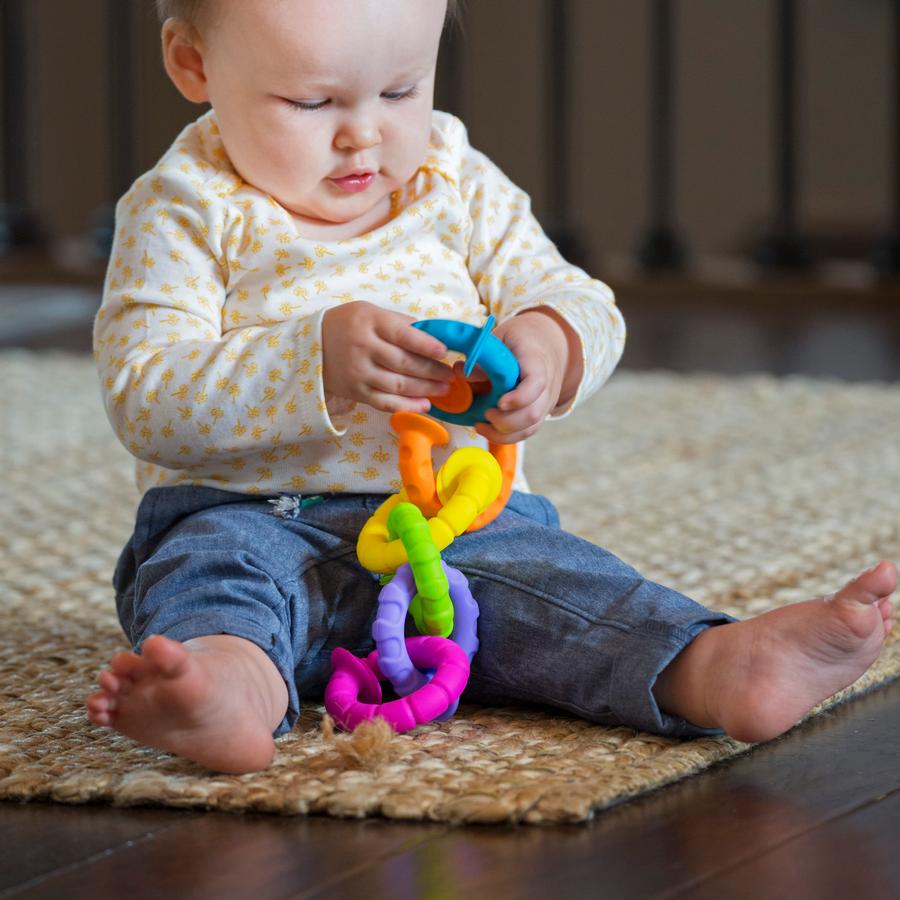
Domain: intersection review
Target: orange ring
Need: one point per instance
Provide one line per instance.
(418, 435)
(505, 454)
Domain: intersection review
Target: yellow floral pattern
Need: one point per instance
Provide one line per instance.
(208, 341)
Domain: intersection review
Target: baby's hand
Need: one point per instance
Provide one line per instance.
(373, 356)
(539, 342)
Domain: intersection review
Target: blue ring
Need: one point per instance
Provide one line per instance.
(494, 357)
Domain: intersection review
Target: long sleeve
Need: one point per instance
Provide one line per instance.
(185, 380)
(517, 267)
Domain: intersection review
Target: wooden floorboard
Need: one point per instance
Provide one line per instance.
(824, 800)
(223, 856)
(36, 839)
(853, 857)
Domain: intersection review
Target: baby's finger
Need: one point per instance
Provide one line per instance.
(528, 418)
(526, 392)
(391, 403)
(414, 340)
(388, 382)
(401, 362)
(493, 434)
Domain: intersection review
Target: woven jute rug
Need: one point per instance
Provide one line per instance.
(744, 493)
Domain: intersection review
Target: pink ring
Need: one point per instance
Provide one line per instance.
(353, 694)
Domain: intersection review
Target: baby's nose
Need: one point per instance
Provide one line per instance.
(358, 134)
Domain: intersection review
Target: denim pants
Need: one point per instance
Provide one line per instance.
(562, 622)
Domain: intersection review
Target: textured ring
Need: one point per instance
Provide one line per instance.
(433, 610)
(390, 658)
(353, 694)
(418, 435)
(491, 354)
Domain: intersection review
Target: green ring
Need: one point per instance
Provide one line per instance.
(431, 607)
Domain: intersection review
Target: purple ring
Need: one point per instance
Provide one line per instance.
(390, 658)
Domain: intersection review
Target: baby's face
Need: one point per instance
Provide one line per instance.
(324, 104)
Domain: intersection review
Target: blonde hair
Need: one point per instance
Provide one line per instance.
(193, 11)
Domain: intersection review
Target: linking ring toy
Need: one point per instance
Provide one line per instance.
(478, 345)
(353, 693)
(470, 489)
(434, 611)
(390, 656)
(418, 435)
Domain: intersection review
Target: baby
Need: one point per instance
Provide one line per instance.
(255, 337)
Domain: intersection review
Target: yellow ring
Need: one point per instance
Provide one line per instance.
(468, 482)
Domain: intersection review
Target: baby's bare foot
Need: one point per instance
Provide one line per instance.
(758, 678)
(211, 700)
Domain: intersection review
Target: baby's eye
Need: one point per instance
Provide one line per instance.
(307, 104)
(400, 95)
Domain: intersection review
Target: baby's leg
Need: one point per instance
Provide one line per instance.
(214, 699)
(567, 624)
(755, 679)
(207, 592)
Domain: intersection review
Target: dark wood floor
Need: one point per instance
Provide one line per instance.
(813, 815)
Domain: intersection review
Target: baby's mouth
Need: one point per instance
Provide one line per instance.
(354, 182)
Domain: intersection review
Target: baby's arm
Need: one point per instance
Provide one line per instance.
(374, 355)
(563, 326)
(187, 380)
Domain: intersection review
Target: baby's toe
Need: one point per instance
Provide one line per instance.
(112, 683)
(166, 656)
(128, 665)
(870, 586)
(101, 708)
(886, 608)
(101, 701)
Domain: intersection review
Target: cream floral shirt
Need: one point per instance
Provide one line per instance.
(208, 341)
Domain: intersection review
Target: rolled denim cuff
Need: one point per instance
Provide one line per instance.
(643, 653)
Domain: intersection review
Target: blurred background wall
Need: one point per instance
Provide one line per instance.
(724, 85)
(497, 73)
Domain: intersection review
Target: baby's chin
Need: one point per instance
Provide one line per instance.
(340, 220)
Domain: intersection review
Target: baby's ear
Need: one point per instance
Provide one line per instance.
(183, 59)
